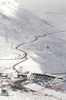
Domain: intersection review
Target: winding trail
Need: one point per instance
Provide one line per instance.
(24, 58)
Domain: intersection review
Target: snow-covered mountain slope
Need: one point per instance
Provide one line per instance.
(18, 25)
(21, 25)
(49, 52)
(25, 35)
(60, 19)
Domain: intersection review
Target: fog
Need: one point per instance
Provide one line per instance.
(39, 7)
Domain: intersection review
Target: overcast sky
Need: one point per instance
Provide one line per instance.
(39, 7)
